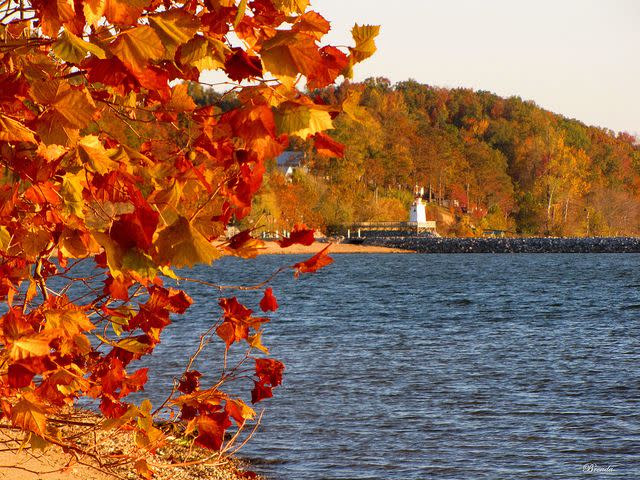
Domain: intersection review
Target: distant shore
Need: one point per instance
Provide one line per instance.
(416, 244)
(509, 245)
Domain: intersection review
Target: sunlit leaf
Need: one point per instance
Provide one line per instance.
(291, 6)
(29, 415)
(73, 49)
(94, 11)
(13, 131)
(182, 245)
(138, 46)
(301, 120)
(174, 27)
(204, 53)
(364, 37)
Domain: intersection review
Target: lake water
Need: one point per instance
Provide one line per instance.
(441, 366)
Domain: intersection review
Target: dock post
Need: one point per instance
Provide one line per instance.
(348, 233)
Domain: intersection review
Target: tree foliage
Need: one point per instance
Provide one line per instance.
(107, 160)
(507, 164)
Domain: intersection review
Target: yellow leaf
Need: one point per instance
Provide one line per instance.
(301, 120)
(138, 46)
(114, 253)
(29, 415)
(351, 106)
(167, 272)
(13, 131)
(291, 6)
(92, 153)
(94, 11)
(255, 341)
(71, 322)
(74, 49)
(364, 37)
(181, 245)
(204, 53)
(71, 192)
(35, 345)
(132, 345)
(174, 27)
(140, 264)
(38, 443)
(5, 238)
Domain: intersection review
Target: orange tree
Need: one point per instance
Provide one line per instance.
(107, 160)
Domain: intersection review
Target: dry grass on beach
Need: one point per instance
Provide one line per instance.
(53, 464)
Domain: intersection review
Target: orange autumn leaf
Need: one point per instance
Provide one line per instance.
(315, 263)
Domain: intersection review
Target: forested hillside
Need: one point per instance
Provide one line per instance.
(486, 162)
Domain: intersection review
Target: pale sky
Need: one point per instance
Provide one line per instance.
(579, 58)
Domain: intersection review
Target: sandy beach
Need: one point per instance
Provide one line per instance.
(272, 248)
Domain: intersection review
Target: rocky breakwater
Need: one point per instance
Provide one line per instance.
(509, 245)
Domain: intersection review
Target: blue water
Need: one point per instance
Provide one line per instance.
(440, 366)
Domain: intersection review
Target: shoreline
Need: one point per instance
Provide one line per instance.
(509, 244)
(416, 244)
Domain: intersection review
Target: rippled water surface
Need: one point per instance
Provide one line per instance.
(442, 366)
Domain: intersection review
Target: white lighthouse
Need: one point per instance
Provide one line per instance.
(417, 214)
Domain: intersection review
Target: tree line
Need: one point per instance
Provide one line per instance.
(486, 162)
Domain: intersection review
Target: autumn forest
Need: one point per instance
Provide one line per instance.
(486, 162)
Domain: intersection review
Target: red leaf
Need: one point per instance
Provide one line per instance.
(269, 371)
(237, 321)
(319, 260)
(237, 241)
(19, 376)
(259, 392)
(239, 65)
(234, 309)
(332, 64)
(113, 408)
(211, 428)
(136, 229)
(300, 234)
(327, 146)
(190, 381)
(268, 302)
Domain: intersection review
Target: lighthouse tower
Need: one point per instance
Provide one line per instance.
(417, 213)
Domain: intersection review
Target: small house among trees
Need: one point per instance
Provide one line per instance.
(290, 161)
